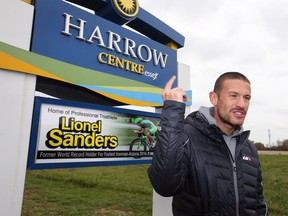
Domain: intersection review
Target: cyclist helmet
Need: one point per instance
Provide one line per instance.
(138, 119)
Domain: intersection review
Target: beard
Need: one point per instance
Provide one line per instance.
(225, 119)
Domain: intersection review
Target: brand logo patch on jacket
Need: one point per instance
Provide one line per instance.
(247, 158)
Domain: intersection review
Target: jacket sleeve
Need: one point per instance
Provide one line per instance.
(169, 164)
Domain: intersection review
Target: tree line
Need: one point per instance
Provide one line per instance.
(280, 146)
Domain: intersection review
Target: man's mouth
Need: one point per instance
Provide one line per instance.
(239, 113)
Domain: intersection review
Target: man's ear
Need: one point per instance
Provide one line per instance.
(213, 98)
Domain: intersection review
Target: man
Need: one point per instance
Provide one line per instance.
(206, 161)
(148, 128)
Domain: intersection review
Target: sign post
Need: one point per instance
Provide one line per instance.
(17, 96)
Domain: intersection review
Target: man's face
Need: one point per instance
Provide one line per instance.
(231, 104)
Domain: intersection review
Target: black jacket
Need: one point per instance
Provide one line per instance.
(193, 164)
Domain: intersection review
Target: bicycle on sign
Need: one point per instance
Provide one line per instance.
(141, 144)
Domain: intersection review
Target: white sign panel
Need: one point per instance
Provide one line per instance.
(72, 134)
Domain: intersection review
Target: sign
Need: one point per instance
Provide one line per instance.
(99, 56)
(87, 40)
(72, 134)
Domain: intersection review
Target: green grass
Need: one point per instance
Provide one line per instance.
(275, 179)
(124, 190)
(111, 191)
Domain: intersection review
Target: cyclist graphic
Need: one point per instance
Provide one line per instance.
(148, 128)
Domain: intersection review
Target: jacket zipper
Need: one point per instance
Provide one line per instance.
(235, 174)
(235, 187)
(235, 182)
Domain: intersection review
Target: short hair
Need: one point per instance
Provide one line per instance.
(228, 76)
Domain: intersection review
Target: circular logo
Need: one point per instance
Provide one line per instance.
(127, 8)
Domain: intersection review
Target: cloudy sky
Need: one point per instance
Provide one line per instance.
(249, 36)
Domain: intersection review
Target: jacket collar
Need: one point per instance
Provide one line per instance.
(207, 113)
(204, 121)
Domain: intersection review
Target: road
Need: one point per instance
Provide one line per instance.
(274, 152)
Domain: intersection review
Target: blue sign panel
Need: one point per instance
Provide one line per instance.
(70, 34)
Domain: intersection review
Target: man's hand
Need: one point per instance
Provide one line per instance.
(175, 94)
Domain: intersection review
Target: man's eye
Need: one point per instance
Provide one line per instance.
(247, 98)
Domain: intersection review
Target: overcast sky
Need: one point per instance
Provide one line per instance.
(249, 36)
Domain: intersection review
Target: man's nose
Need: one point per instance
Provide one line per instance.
(241, 102)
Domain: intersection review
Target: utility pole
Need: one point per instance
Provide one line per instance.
(269, 138)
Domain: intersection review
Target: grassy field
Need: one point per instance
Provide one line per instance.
(105, 191)
(124, 190)
(275, 177)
